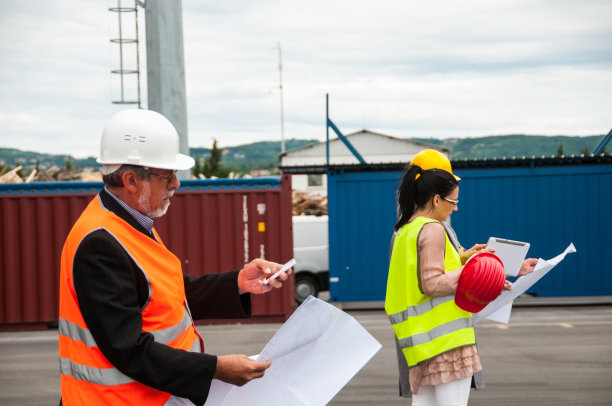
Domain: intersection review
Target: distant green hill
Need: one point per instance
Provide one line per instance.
(258, 155)
(29, 159)
(242, 158)
(264, 155)
(514, 145)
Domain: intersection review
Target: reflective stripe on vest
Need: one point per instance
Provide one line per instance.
(424, 326)
(87, 377)
(436, 332)
(418, 310)
(99, 376)
(102, 376)
(164, 336)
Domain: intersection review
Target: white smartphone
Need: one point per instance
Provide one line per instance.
(285, 268)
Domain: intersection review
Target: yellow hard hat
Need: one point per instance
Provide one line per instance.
(432, 159)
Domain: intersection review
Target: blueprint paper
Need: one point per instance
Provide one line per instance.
(314, 355)
(501, 316)
(499, 309)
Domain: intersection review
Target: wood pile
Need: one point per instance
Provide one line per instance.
(12, 176)
(53, 174)
(309, 204)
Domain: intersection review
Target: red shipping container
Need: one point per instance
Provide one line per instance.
(212, 226)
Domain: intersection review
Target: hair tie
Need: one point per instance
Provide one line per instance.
(419, 173)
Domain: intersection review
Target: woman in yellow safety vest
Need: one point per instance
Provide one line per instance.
(437, 354)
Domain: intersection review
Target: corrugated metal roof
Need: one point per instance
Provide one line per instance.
(461, 163)
(364, 131)
(531, 161)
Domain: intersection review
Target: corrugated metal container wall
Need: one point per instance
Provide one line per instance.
(361, 207)
(549, 206)
(212, 226)
(33, 228)
(225, 227)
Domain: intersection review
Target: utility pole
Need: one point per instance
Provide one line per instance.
(166, 67)
(280, 73)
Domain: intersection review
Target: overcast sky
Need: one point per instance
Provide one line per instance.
(404, 68)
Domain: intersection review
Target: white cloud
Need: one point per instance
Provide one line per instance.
(440, 69)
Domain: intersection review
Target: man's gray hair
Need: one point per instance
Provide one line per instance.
(114, 178)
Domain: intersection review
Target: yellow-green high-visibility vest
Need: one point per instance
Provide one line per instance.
(424, 326)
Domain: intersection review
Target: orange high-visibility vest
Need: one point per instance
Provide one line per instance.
(87, 377)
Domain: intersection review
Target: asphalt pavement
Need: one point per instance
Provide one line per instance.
(548, 355)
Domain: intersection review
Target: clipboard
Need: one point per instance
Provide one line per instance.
(512, 253)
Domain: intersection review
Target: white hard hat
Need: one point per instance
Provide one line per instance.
(144, 138)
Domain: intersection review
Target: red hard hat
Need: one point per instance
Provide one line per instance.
(480, 282)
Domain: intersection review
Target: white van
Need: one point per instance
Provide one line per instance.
(311, 252)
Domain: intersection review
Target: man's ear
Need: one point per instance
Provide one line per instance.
(130, 181)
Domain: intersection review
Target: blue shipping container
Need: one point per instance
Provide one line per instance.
(361, 208)
(547, 203)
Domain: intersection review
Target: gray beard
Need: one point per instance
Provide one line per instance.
(143, 200)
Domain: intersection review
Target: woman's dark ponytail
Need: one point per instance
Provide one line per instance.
(406, 195)
(417, 187)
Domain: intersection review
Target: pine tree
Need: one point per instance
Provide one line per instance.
(213, 165)
(560, 150)
(197, 168)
